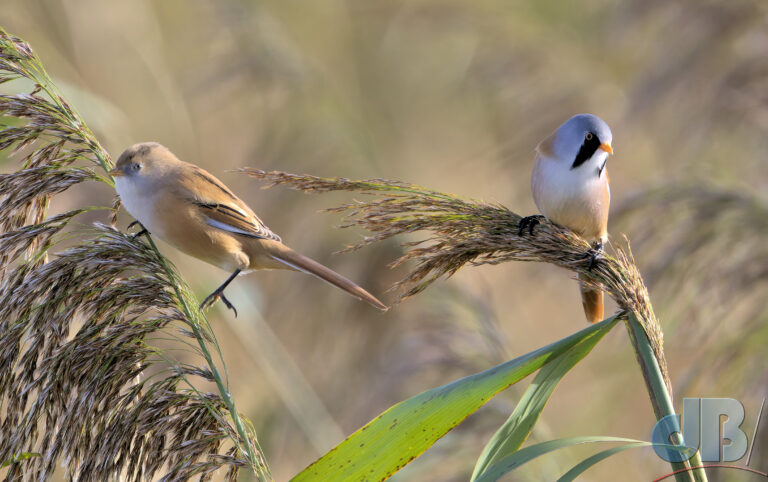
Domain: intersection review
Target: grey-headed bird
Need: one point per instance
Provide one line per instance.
(570, 188)
(192, 210)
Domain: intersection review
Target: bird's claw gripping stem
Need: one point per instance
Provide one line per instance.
(529, 222)
(219, 293)
(213, 297)
(594, 254)
(142, 232)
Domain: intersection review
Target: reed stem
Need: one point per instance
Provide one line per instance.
(660, 397)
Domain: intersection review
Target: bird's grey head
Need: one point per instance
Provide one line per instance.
(583, 140)
(141, 160)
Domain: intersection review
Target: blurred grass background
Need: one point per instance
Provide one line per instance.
(452, 95)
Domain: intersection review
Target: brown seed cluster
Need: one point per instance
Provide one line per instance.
(464, 232)
(81, 386)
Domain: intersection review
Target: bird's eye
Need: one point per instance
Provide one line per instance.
(136, 166)
(589, 136)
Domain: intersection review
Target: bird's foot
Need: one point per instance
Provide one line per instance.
(219, 293)
(594, 254)
(215, 296)
(529, 222)
(142, 232)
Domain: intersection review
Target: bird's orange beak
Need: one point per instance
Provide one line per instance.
(606, 147)
(116, 172)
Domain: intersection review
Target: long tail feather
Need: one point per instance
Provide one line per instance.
(592, 299)
(306, 265)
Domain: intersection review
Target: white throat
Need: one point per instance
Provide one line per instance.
(556, 186)
(139, 202)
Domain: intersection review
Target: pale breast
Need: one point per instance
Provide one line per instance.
(177, 222)
(187, 230)
(570, 198)
(141, 205)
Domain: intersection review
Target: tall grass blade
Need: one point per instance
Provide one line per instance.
(401, 433)
(465, 232)
(661, 399)
(593, 460)
(81, 383)
(512, 461)
(518, 426)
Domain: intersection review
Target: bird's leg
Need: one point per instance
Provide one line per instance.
(140, 233)
(529, 222)
(219, 293)
(594, 254)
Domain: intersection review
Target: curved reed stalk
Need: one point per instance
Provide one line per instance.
(470, 232)
(82, 386)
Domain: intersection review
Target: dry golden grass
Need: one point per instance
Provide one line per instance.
(468, 232)
(453, 95)
(83, 386)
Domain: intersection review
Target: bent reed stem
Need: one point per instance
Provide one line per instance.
(258, 464)
(661, 400)
(75, 329)
(470, 232)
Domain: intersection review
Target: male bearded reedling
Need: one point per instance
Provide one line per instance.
(570, 188)
(195, 212)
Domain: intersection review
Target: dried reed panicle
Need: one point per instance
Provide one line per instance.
(71, 391)
(76, 330)
(472, 232)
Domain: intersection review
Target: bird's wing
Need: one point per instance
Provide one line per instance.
(218, 206)
(233, 219)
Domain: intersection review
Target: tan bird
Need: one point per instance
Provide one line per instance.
(192, 210)
(570, 188)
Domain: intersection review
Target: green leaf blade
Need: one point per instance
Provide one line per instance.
(518, 426)
(525, 455)
(404, 431)
(587, 463)
(509, 463)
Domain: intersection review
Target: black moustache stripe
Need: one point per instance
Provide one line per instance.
(586, 151)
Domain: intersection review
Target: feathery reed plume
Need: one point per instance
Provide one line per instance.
(82, 387)
(473, 232)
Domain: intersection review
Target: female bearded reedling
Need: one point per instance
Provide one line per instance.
(570, 188)
(195, 212)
